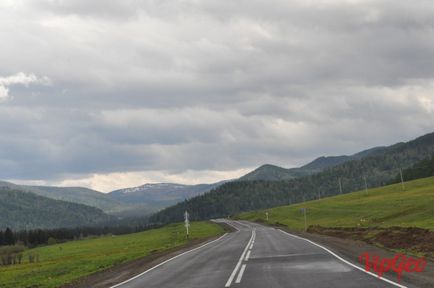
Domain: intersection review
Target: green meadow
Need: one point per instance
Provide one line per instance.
(62, 263)
(380, 207)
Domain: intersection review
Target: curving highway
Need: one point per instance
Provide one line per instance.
(256, 256)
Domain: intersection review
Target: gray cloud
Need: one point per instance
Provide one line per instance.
(181, 86)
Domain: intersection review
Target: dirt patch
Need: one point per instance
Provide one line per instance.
(412, 240)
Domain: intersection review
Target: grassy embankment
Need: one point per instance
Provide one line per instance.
(62, 263)
(380, 207)
(376, 217)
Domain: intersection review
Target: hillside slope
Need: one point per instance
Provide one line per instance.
(22, 210)
(231, 198)
(380, 207)
(269, 172)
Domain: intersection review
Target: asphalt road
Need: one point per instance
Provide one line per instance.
(255, 256)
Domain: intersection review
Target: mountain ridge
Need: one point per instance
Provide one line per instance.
(269, 172)
(155, 196)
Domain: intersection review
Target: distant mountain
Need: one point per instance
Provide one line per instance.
(378, 166)
(25, 210)
(136, 201)
(156, 196)
(272, 173)
(78, 195)
(275, 173)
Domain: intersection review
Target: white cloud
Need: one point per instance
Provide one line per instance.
(19, 79)
(162, 88)
(4, 93)
(113, 181)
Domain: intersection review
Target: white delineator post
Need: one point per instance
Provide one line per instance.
(305, 219)
(366, 185)
(187, 222)
(266, 214)
(402, 179)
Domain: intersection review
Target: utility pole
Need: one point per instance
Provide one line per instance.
(186, 222)
(402, 179)
(366, 185)
(340, 185)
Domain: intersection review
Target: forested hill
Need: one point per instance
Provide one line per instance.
(275, 173)
(421, 169)
(22, 210)
(377, 168)
(78, 195)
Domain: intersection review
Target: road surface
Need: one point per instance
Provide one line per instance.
(255, 256)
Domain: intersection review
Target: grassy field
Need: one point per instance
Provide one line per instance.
(380, 207)
(62, 263)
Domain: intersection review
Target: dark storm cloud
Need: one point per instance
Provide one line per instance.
(123, 86)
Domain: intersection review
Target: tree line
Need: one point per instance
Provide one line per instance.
(37, 237)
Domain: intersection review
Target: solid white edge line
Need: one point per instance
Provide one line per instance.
(164, 262)
(240, 275)
(234, 272)
(243, 224)
(345, 261)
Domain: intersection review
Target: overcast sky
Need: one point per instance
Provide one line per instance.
(109, 94)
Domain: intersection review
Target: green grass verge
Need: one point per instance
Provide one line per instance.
(380, 207)
(62, 263)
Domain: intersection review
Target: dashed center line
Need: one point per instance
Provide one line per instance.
(243, 267)
(240, 275)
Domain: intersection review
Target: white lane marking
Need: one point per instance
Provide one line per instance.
(248, 255)
(240, 275)
(243, 224)
(345, 261)
(229, 223)
(234, 272)
(288, 255)
(162, 263)
(253, 240)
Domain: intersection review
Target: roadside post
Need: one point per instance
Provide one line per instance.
(303, 210)
(402, 179)
(266, 214)
(186, 222)
(366, 185)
